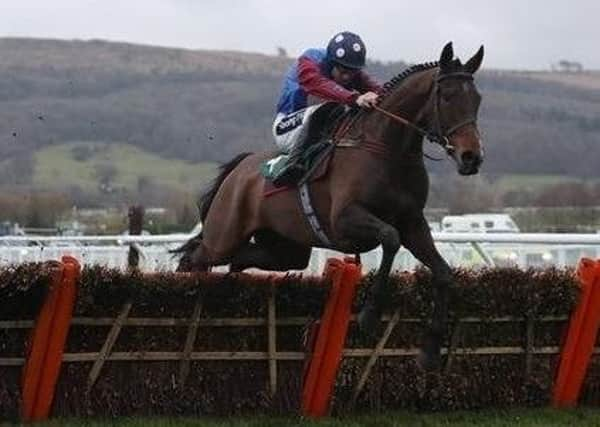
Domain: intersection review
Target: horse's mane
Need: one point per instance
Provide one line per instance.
(395, 81)
(387, 88)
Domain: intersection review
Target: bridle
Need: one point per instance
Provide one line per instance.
(437, 135)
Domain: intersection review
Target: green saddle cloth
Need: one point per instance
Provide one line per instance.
(273, 167)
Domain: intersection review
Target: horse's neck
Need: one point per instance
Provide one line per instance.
(410, 101)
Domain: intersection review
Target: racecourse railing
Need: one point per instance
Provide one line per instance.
(459, 249)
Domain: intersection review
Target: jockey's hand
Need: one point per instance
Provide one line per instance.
(367, 100)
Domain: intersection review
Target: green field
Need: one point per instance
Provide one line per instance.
(56, 167)
(531, 182)
(528, 418)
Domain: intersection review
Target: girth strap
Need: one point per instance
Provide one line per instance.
(311, 215)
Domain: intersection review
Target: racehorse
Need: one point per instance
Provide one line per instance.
(373, 194)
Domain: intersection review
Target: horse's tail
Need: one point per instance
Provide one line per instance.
(206, 200)
(189, 246)
(209, 193)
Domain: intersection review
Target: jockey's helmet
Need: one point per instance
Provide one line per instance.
(347, 49)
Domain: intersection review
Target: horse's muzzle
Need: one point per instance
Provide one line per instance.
(469, 162)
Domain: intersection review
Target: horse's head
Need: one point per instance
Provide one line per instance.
(455, 107)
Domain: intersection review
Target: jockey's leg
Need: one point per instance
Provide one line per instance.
(293, 170)
(292, 137)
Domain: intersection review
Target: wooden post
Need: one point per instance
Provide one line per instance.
(579, 344)
(184, 367)
(454, 341)
(111, 339)
(272, 333)
(136, 221)
(529, 344)
(36, 353)
(333, 272)
(329, 345)
(50, 334)
(374, 356)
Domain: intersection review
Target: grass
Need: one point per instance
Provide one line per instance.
(582, 417)
(57, 168)
(531, 182)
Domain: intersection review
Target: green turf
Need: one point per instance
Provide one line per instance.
(521, 417)
(56, 167)
(518, 182)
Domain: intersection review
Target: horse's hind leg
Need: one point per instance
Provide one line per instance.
(271, 251)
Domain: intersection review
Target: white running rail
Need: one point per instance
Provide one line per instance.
(459, 249)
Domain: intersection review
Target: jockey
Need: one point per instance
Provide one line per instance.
(332, 74)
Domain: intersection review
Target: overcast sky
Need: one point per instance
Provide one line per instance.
(517, 34)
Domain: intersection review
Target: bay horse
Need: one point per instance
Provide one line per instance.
(373, 194)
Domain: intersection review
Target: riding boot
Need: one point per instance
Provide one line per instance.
(293, 170)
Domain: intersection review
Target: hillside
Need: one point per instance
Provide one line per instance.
(206, 106)
(116, 167)
(588, 80)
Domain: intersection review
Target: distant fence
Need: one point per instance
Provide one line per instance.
(459, 249)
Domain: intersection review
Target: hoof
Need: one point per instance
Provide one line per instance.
(369, 320)
(429, 361)
(429, 358)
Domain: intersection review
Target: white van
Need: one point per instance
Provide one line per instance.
(479, 223)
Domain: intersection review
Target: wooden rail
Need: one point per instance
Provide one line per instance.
(271, 354)
(247, 321)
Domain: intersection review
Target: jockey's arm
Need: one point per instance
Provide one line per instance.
(315, 83)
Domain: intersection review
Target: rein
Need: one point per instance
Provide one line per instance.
(438, 137)
(423, 132)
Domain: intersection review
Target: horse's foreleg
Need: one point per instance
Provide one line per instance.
(416, 237)
(355, 228)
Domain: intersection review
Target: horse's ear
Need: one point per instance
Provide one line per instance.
(447, 55)
(474, 63)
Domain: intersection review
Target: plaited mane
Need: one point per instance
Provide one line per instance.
(354, 114)
(394, 82)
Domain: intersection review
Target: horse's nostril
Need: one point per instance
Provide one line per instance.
(468, 157)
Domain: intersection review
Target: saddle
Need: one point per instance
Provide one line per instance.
(316, 156)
